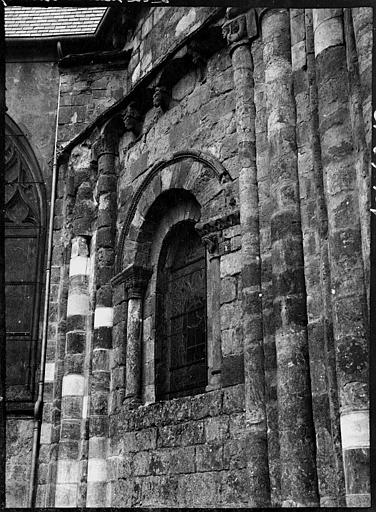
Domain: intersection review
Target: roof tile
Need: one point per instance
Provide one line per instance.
(30, 22)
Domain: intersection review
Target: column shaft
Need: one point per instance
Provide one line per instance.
(133, 358)
(214, 322)
(319, 306)
(73, 387)
(297, 436)
(362, 18)
(103, 322)
(346, 262)
(362, 150)
(257, 449)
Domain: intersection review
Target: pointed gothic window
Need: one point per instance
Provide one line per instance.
(181, 348)
(24, 241)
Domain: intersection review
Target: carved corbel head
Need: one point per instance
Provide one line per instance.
(196, 52)
(241, 26)
(161, 97)
(132, 118)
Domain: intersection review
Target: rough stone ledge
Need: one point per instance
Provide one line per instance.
(179, 410)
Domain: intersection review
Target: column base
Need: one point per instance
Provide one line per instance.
(132, 402)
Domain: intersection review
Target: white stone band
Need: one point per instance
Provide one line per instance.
(355, 429)
(103, 317)
(85, 403)
(73, 385)
(97, 470)
(79, 265)
(67, 471)
(49, 372)
(66, 495)
(78, 304)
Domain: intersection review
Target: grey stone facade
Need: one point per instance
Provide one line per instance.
(254, 126)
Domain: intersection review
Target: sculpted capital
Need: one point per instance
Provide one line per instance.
(240, 26)
(103, 145)
(211, 242)
(135, 280)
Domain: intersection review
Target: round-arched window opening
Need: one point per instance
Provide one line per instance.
(181, 339)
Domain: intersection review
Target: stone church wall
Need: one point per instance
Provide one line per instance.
(19, 445)
(263, 144)
(32, 100)
(86, 92)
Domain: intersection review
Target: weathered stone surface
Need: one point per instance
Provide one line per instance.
(245, 119)
(342, 188)
(183, 434)
(19, 443)
(298, 471)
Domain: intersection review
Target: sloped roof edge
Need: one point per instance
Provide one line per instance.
(26, 23)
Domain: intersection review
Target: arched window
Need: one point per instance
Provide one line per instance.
(181, 345)
(24, 253)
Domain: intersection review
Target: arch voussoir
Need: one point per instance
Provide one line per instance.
(194, 172)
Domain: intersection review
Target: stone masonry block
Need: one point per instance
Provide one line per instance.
(235, 454)
(231, 315)
(233, 399)
(216, 429)
(208, 404)
(209, 457)
(235, 488)
(184, 434)
(232, 340)
(174, 460)
(199, 489)
(100, 360)
(71, 407)
(142, 463)
(228, 289)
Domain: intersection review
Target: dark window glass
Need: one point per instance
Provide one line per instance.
(181, 348)
(24, 237)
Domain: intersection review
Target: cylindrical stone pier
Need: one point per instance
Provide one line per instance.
(345, 248)
(314, 220)
(73, 387)
(362, 149)
(297, 436)
(103, 321)
(256, 422)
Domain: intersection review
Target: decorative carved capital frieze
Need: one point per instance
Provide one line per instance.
(135, 280)
(105, 144)
(241, 26)
(218, 224)
(211, 242)
(132, 118)
(211, 233)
